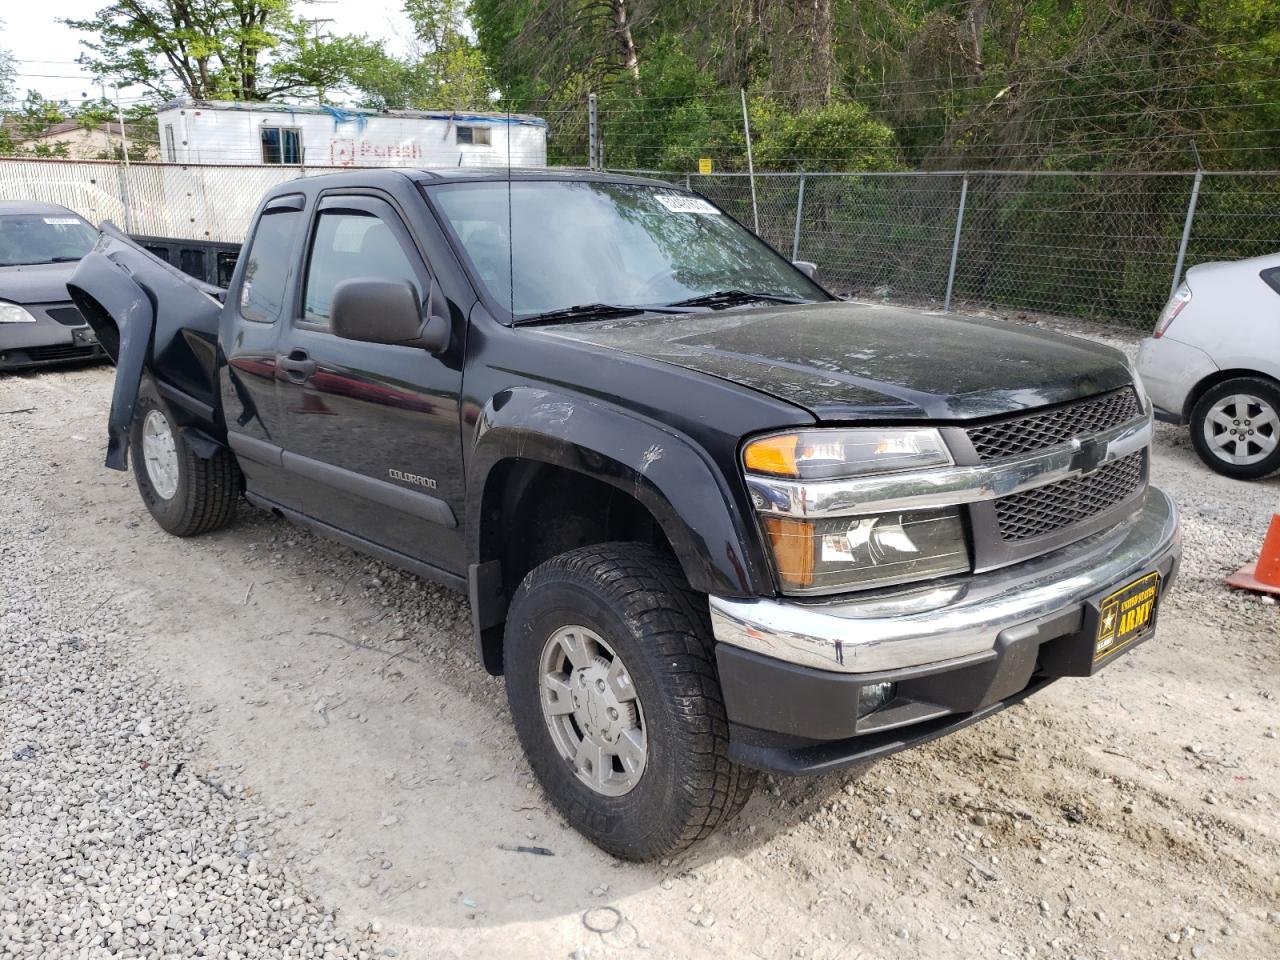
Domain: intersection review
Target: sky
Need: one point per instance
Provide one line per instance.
(45, 50)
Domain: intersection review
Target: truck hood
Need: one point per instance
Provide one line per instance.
(36, 282)
(855, 361)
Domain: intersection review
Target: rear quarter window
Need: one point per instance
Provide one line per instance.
(268, 264)
(1271, 277)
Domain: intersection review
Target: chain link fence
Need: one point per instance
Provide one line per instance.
(1102, 246)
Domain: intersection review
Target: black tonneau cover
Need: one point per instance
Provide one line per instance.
(152, 317)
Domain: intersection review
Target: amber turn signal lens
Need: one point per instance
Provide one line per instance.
(793, 551)
(774, 456)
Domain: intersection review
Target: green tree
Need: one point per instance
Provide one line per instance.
(219, 49)
(444, 67)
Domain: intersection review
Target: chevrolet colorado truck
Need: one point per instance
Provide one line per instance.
(711, 519)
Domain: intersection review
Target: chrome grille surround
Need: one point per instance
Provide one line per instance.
(1026, 433)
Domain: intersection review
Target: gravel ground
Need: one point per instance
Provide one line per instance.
(257, 743)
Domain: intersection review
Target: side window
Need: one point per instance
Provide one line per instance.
(348, 244)
(266, 269)
(226, 267)
(476, 136)
(281, 145)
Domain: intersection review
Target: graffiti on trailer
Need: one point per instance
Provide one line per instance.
(344, 152)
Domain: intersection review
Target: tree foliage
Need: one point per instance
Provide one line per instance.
(1062, 84)
(219, 49)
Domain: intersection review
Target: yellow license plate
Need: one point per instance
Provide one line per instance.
(1126, 615)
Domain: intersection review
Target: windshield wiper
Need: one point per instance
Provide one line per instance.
(40, 263)
(730, 298)
(594, 311)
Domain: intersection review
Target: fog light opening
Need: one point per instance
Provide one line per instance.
(873, 696)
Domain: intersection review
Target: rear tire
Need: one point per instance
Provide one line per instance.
(1235, 427)
(186, 494)
(631, 618)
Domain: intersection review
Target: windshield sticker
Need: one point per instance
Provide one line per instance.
(679, 203)
(61, 221)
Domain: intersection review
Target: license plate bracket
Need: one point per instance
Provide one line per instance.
(84, 337)
(1123, 618)
(1114, 623)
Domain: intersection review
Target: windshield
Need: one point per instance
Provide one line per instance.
(579, 242)
(28, 238)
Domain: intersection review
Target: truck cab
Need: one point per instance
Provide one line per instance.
(711, 519)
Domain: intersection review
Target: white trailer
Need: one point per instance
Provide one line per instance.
(275, 134)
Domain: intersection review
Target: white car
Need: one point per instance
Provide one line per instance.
(1213, 362)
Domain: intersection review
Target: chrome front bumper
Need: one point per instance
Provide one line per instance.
(955, 619)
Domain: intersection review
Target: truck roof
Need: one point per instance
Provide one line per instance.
(33, 207)
(364, 176)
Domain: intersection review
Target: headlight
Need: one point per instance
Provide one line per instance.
(838, 454)
(12, 313)
(853, 553)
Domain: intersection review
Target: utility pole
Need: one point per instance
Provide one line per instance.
(315, 23)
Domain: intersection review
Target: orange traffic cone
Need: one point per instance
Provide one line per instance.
(1263, 576)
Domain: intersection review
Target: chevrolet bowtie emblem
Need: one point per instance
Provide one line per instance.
(1089, 456)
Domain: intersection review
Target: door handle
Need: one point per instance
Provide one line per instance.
(297, 365)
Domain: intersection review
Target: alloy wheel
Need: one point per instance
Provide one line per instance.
(592, 712)
(1242, 429)
(160, 453)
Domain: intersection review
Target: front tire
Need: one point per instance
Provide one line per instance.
(613, 689)
(1235, 427)
(185, 493)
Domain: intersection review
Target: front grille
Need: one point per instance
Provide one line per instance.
(1057, 505)
(67, 316)
(62, 351)
(1048, 428)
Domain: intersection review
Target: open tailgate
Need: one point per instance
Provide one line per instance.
(150, 317)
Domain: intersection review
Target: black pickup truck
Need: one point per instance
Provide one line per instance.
(711, 519)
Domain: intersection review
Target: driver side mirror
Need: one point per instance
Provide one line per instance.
(807, 267)
(388, 311)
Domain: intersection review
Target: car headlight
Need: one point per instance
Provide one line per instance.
(854, 553)
(12, 313)
(835, 454)
(833, 554)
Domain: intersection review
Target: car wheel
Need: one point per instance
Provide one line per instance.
(1235, 427)
(613, 688)
(185, 493)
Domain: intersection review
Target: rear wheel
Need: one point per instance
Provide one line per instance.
(1235, 427)
(613, 689)
(185, 493)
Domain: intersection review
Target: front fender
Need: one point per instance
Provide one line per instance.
(150, 317)
(121, 315)
(703, 518)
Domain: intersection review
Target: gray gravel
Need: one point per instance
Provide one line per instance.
(113, 841)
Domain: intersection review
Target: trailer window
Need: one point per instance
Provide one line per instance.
(281, 145)
(168, 143)
(475, 136)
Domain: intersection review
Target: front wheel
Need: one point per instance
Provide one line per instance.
(613, 689)
(1235, 427)
(185, 493)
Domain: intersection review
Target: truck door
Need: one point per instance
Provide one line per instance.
(371, 430)
(252, 324)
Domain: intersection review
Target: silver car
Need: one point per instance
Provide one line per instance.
(40, 245)
(1213, 362)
